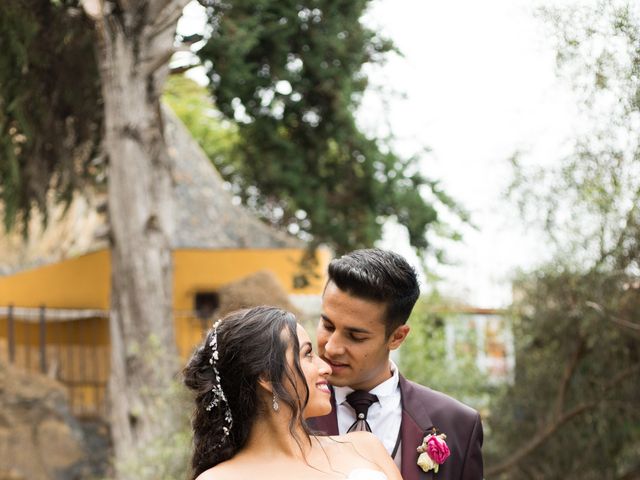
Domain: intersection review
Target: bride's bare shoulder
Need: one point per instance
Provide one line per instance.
(222, 471)
(208, 475)
(365, 439)
(359, 440)
(212, 474)
(371, 448)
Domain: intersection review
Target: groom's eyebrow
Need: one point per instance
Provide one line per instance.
(357, 330)
(349, 329)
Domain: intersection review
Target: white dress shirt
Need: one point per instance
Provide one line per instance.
(384, 416)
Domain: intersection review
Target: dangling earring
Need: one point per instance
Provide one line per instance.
(276, 406)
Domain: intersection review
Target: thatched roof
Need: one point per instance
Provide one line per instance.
(260, 288)
(205, 215)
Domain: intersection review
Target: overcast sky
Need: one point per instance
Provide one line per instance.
(480, 84)
(475, 84)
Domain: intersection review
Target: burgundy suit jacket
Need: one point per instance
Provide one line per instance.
(423, 409)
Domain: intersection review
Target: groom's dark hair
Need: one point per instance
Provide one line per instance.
(378, 275)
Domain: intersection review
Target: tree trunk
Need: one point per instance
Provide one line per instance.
(135, 42)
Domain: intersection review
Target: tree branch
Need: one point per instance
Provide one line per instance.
(620, 376)
(538, 439)
(161, 59)
(630, 221)
(566, 377)
(631, 327)
(183, 68)
(551, 428)
(168, 14)
(632, 474)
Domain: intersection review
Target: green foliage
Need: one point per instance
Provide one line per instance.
(584, 201)
(168, 407)
(577, 384)
(573, 410)
(290, 75)
(50, 114)
(166, 457)
(424, 357)
(194, 106)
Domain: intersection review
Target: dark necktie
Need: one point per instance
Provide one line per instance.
(360, 401)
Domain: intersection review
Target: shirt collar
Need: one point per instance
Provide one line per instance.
(383, 390)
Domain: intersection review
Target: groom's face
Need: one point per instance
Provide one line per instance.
(352, 339)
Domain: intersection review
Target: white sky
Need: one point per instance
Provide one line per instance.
(479, 84)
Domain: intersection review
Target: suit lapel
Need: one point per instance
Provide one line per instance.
(415, 421)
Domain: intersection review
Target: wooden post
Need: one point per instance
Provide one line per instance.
(43, 341)
(11, 335)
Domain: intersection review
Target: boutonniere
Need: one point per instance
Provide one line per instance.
(433, 451)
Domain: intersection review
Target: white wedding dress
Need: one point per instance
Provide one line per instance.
(366, 474)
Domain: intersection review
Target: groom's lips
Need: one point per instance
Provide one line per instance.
(336, 367)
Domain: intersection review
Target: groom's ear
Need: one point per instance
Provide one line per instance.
(398, 336)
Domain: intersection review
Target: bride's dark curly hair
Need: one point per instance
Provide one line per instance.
(252, 345)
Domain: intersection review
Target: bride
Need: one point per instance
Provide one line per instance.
(256, 379)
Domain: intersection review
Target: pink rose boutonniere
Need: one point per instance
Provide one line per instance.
(433, 451)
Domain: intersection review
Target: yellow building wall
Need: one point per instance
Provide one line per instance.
(81, 282)
(78, 351)
(204, 270)
(84, 282)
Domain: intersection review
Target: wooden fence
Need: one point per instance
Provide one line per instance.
(73, 347)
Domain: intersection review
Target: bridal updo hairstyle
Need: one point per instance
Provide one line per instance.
(252, 345)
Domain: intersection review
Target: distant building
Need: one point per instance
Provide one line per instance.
(483, 334)
(55, 286)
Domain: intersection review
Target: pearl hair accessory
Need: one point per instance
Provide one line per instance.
(219, 398)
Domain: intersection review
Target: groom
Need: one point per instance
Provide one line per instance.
(366, 303)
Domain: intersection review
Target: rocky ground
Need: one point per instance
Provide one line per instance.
(39, 438)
